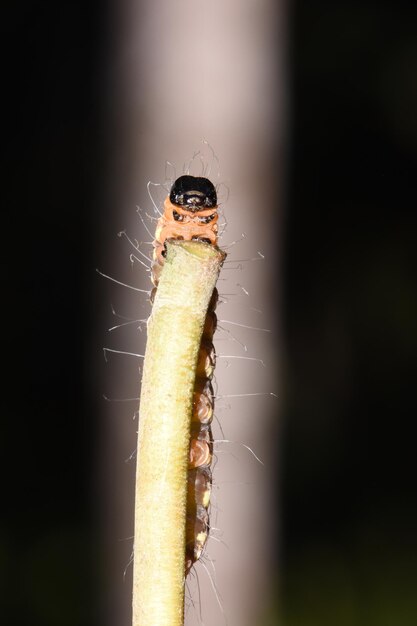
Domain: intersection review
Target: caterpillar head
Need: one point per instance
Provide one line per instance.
(193, 193)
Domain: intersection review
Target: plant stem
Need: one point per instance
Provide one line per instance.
(174, 333)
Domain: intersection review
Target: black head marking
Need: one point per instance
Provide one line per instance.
(193, 193)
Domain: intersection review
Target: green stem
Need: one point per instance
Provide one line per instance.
(174, 334)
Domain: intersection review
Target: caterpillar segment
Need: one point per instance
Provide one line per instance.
(190, 213)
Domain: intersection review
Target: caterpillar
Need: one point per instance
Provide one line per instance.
(190, 213)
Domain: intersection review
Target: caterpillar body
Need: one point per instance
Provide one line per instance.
(191, 213)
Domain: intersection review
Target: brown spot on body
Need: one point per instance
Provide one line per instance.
(206, 360)
(203, 403)
(200, 452)
(198, 487)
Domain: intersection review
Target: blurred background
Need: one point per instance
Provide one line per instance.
(310, 109)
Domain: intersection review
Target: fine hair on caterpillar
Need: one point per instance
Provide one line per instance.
(192, 212)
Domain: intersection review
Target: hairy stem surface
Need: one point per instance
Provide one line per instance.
(174, 334)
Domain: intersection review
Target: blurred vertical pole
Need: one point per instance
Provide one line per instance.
(180, 72)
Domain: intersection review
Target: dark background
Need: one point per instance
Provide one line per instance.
(348, 552)
(52, 147)
(350, 517)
